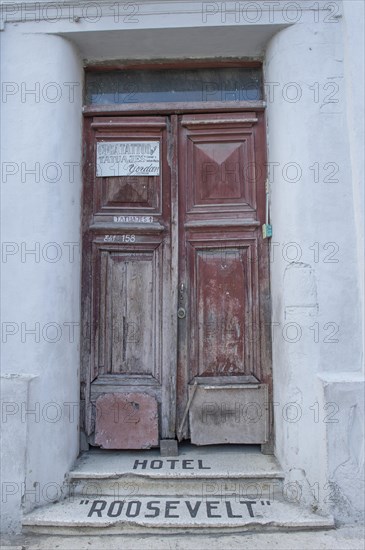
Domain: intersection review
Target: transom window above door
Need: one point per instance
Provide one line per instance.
(170, 85)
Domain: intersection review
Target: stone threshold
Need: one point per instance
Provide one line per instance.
(216, 461)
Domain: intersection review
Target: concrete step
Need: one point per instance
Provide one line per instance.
(227, 489)
(219, 471)
(147, 514)
(179, 486)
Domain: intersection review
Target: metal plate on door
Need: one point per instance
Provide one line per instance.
(181, 313)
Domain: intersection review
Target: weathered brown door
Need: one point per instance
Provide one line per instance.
(223, 338)
(175, 280)
(129, 344)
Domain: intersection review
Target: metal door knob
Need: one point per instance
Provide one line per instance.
(181, 313)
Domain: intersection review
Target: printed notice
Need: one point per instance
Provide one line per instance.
(128, 158)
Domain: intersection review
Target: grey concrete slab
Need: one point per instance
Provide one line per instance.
(197, 471)
(345, 538)
(239, 461)
(126, 486)
(158, 514)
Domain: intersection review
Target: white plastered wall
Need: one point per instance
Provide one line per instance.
(316, 297)
(40, 290)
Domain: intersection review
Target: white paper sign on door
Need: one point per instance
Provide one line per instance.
(128, 158)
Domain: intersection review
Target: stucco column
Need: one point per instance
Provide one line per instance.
(314, 271)
(41, 190)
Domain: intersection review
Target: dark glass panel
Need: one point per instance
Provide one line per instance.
(173, 85)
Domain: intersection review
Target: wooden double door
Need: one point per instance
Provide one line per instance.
(175, 286)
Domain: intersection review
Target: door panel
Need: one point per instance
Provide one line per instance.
(219, 166)
(215, 182)
(223, 303)
(223, 263)
(128, 319)
(135, 192)
(128, 288)
(221, 310)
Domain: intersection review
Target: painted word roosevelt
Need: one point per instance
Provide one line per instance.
(173, 508)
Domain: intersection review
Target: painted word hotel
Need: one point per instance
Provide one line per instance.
(182, 259)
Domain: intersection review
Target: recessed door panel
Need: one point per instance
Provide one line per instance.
(132, 192)
(127, 319)
(221, 310)
(128, 166)
(221, 171)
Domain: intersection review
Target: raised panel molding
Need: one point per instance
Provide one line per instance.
(224, 306)
(221, 172)
(134, 194)
(129, 192)
(127, 323)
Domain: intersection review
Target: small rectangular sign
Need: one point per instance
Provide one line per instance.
(133, 219)
(127, 158)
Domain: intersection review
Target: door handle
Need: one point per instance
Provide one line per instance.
(181, 313)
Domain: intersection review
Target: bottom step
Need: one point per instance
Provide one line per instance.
(162, 514)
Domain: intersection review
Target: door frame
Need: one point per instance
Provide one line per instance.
(174, 110)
